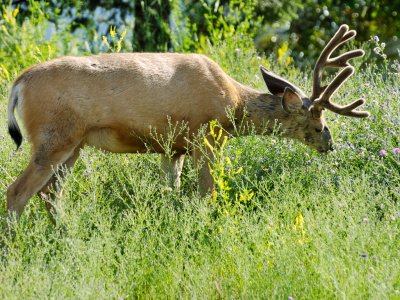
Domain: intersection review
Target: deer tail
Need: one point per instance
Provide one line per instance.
(13, 128)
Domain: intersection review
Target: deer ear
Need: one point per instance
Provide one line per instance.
(291, 101)
(276, 85)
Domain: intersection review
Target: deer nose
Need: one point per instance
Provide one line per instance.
(326, 149)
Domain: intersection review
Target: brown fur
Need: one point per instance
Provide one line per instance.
(111, 101)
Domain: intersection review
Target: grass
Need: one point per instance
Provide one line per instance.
(317, 226)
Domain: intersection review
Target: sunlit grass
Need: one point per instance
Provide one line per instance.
(315, 226)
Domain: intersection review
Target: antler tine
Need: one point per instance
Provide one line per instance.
(343, 59)
(321, 94)
(348, 110)
(342, 35)
(334, 85)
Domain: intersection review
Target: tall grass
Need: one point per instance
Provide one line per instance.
(312, 226)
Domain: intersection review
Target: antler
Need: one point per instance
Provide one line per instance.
(321, 94)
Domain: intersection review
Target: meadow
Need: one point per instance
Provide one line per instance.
(287, 223)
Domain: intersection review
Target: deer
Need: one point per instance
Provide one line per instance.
(110, 102)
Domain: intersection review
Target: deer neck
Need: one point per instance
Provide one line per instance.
(262, 110)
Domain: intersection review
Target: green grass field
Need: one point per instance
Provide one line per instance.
(316, 226)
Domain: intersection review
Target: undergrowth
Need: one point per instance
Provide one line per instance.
(284, 222)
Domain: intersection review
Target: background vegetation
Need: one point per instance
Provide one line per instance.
(285, 222)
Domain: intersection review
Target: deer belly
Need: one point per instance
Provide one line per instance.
(112, 140)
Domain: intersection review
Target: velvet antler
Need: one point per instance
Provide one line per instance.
(321, 94)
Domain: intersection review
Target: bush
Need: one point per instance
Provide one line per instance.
(30, 41)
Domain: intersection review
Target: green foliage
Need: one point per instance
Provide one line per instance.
(187, 25)
(307, 25)
(151, 29)
(25, 43)
(227, 199)
(210, 21)
(222, 25)
(115, 45)
(289, 222)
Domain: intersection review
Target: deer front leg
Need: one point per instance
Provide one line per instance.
(171, 169)
(201, 162)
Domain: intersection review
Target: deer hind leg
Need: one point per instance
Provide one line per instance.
(39, 171)
(46, 192)
(171, 169)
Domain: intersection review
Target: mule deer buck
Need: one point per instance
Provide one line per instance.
(110, 101)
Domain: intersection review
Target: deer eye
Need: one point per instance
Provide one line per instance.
(318, 130)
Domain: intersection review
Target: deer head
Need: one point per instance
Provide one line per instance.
(307, 122)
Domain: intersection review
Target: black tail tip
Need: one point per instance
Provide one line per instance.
(16, 135)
